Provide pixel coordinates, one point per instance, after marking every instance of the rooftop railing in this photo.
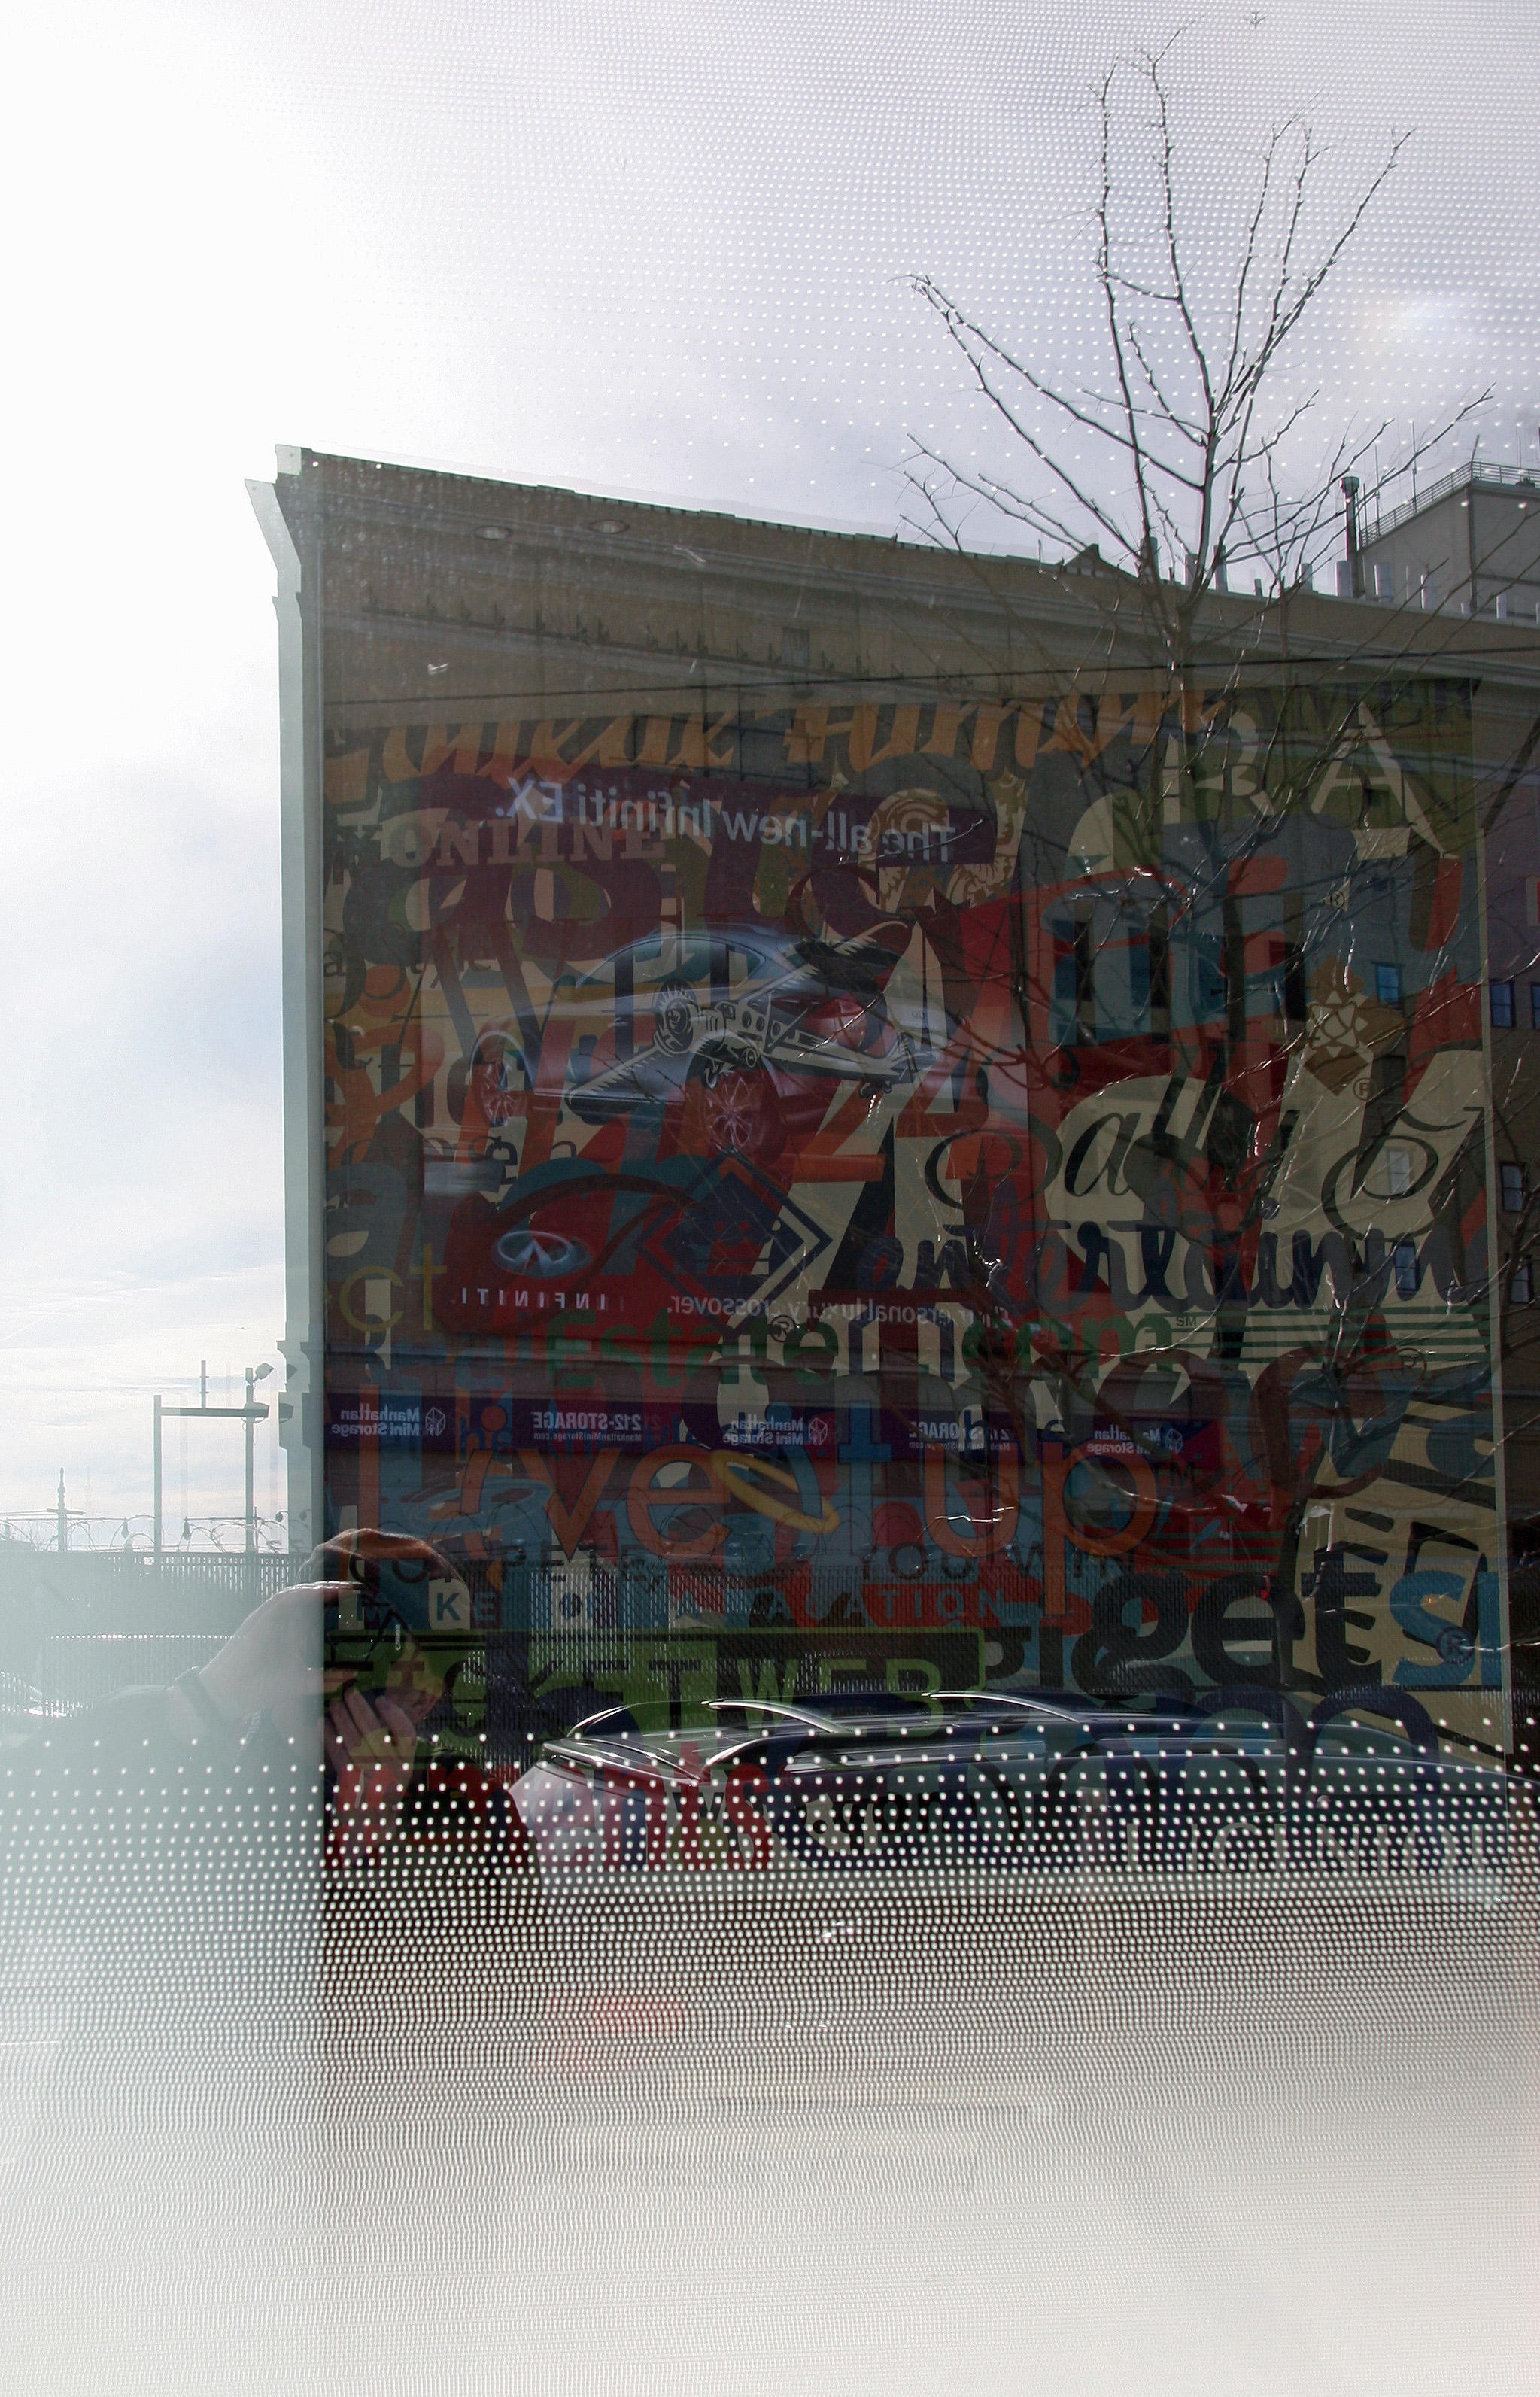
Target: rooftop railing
(1520, 477)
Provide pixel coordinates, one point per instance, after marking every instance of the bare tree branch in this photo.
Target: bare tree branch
(1189, 426)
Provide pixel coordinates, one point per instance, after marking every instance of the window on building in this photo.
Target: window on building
(1398, 1171)
(1233, 963)
(1522, 1288)
(1085, 979)
(1501, 1006)
(1513, 1187)
(1404, 1258)
(1387, 986)
(1159, 973)
(1534, 1006)
(1296, 999)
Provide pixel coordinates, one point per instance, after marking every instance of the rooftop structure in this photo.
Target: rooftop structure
(1467, 546)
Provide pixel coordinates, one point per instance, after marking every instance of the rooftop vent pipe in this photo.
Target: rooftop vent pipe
(1355, 555)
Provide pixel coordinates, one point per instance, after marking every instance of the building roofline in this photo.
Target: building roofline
(1308, 627)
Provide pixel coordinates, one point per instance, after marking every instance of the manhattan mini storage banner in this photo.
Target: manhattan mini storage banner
(887, 1194)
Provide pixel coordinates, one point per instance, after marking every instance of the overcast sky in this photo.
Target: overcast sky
(649, 245)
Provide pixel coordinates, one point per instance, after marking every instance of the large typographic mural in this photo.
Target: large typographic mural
(905, 1196)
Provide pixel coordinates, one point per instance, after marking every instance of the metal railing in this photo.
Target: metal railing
(232, 1572)
(1511, 477)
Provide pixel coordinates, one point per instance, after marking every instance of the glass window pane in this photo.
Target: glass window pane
(749, 1380)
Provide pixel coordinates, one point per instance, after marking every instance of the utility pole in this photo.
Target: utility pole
(250, 1442)
(251, 1413)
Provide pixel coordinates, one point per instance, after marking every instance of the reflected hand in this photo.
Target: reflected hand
(370, 1748)
(372, 1745)
(272, 1666)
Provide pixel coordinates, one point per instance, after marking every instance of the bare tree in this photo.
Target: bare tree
(1193, 426)
(1197, 453)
